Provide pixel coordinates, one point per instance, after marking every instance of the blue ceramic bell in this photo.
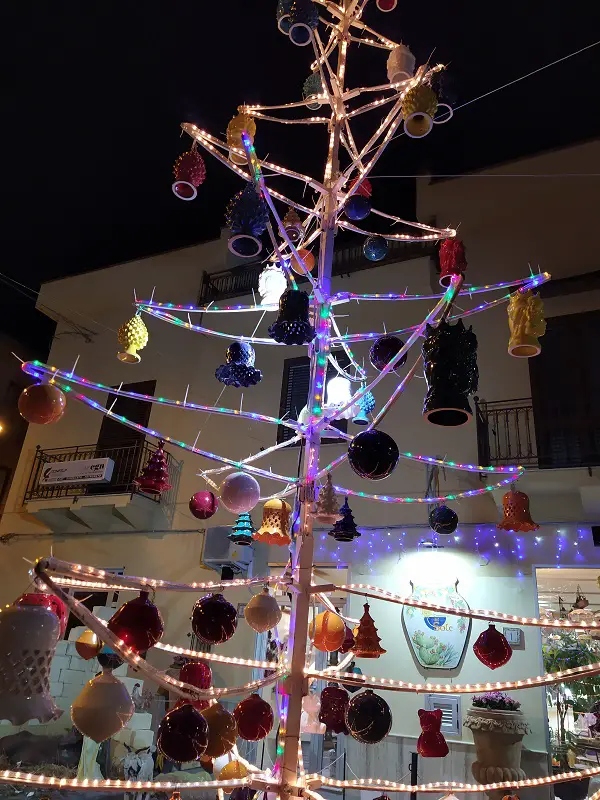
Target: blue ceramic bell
(246, 217)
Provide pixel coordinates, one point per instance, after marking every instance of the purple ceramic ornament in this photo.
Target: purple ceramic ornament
(203, 505)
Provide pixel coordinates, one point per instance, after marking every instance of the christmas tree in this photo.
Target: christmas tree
(327, 508)
(241, 532)
(344, 530)
(366, 640)
(155, 475)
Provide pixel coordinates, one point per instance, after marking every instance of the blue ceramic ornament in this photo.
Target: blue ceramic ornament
(358, 207)
(443, 520)
(375, 248)
(304, 18)
(239, 369)
(283, 15)
(246, 217)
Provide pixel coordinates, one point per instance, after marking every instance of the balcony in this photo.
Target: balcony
(115, 505)
(506, 433)
(241, 280)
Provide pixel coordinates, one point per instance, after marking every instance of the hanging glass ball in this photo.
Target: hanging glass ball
(375, 248)
(138, 623)
(214, 619)
(373, 454)
(357, 207)
(383, 351)
(254, 718)
(203, 505)
(42, 403)
(182, 734)
(443, 520)
(240, 492)
(368, 717)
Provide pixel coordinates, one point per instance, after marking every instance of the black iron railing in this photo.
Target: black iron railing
(506, 432)
(128, 463)
(241, 280)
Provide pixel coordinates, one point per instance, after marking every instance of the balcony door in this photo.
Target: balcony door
(121, 443)
(565, 391)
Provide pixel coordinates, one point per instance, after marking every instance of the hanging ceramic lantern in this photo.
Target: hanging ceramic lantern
(292, 325)
(400, 64)
(431, 742)
(239, 369)
(304, 18)
(312, 90)
(443, 520)
(375, 248)
(182, 734)
(190, 172)
(418, 110)
(254, 718)
(42, 403)
(339, 394)
(373, 454)
(517, 517)
(327, 632)
(368, 717)
(239, 492)
(365, 189)
(132, 336)
(49, 601)
(222, 730)
(240, 123)
(344, 530)
(526, 322)
(357, 207)
(292, 225)
(363, 408)
(305, 264)
(334, 702)
(214, 619)
(137, 623)
(453, 260)
(272, 283)
(246, 216)
(283, 16)
(88, 645)
(275, 528)
(262, 612)
(28, 637)
(102, 708)
(203, 505)
(242, 531)
(384, 350)
(492, 648)
(366, 640)
(450, 360)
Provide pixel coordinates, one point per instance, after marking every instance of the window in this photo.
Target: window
(450, 707)
(294, 393)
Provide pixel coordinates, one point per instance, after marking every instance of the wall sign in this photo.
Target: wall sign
(90, 470)
(437, 640)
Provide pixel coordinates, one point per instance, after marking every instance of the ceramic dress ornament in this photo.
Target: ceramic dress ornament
(526, 322)
(438, 640)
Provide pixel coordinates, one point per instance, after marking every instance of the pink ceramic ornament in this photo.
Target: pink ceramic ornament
(203, 505)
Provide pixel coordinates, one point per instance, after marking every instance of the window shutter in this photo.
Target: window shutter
(450, 708)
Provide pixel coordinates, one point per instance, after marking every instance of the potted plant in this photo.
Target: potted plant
(498, 728)
(564, 650)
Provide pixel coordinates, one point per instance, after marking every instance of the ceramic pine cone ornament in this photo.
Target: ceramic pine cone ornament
(132, 336)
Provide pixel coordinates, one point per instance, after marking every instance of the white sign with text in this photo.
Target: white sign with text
(91, 470)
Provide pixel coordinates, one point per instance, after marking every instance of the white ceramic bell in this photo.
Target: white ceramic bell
(400, 64)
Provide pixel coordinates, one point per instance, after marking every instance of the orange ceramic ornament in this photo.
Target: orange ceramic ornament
(516, 513)
(327, 632)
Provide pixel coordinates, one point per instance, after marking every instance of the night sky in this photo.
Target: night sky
(96, 93)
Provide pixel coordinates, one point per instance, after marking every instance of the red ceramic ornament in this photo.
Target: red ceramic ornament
(254, 718)
(49, 601)
(198, 674)
(492, 648)
(182, 734)
(42, 403)
(203, 505)
(334, 701)
(138, 623)
(214, 619)
(190, 172)
(348, 642)
(431, 742)
(453, 260)
(386, 5)
(364, 187)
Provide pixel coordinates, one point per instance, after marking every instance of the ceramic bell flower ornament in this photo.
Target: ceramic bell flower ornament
(516, 516)
(275, 528)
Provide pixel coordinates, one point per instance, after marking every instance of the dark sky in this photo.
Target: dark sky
(97, 91)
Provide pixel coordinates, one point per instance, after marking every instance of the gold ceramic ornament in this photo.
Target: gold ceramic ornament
(418, 109)
(222, 730)
(102, 708)
(262, 612)
(88, 645)
(526, 322)
(327, 632)
(275, 528)
(292, 225)
(234, 770)
(241, 122)
(132, 336)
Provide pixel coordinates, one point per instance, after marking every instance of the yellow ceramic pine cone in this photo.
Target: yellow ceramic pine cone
(418, 109)
(526, 323)
(132, 336)
(241, 122)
